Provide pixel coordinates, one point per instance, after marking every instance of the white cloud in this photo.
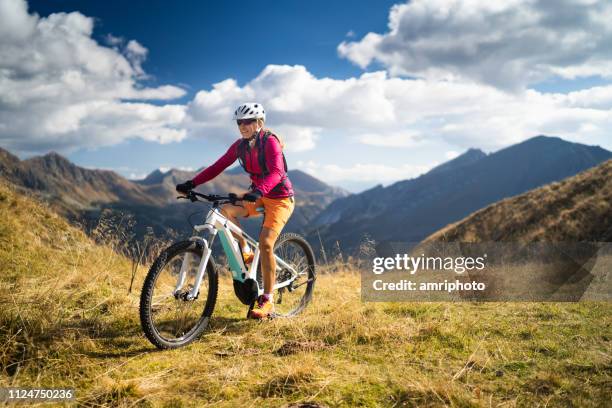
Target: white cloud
(60, 89)
(599, 97)
(508, 44)
(136, 54)
(165, 169)
(298, 138)
(401, 113)
(137, 176)
(451, 154)
(113, 40)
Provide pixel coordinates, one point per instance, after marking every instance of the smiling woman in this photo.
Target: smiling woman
(271, 193)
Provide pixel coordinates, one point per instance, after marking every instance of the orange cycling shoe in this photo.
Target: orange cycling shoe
(264, 308)
(248, 257)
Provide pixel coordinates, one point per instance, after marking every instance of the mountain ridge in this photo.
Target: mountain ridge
(410, 210)
(79, 193)
(578, 208)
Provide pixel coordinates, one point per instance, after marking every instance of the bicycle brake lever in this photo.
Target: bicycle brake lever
(190, 196)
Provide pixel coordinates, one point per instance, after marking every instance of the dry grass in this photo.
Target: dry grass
(578, 208)
(67, 321)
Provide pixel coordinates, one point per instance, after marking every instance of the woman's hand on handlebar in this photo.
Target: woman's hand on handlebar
(252, 196)
(185, 187)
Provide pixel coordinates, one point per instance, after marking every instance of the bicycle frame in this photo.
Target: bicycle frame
(217, 224)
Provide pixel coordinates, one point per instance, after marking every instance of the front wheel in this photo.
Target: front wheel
(298, 278)
(169, 317)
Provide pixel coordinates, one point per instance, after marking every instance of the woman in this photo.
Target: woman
(260, 154)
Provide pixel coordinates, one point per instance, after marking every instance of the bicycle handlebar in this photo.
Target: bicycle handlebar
(215, 198)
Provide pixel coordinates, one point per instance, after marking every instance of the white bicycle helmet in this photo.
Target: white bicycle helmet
(250, 110)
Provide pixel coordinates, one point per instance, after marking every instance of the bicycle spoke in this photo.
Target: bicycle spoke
(296, 278)
(175, 316)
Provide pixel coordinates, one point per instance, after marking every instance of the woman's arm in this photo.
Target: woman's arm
(275, 164)
(215, 169)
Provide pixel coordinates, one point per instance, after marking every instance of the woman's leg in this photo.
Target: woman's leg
(277, 214)
(232, 212)
(267, 238)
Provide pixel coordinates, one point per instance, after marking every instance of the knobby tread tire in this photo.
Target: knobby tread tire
(297, 238)
(147, 293)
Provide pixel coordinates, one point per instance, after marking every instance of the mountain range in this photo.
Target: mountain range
(82, 194)
(408, 210)
(576, 209)
(411, 210)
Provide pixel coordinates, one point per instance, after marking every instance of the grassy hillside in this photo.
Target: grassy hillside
(67, 321)
(578, 208)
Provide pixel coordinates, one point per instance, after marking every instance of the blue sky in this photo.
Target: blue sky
(364, 92)
(198, 43)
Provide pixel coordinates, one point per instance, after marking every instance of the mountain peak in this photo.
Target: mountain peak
(542, 146)
(52, 162)
(55, 157)
(470, 156)
(155, 177)
(6, 155)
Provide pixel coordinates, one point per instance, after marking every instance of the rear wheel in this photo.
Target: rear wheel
(291, 299)
(169, 318)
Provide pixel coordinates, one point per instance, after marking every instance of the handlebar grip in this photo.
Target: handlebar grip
(233, 197)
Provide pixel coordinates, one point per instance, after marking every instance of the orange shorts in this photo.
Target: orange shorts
(276, 211)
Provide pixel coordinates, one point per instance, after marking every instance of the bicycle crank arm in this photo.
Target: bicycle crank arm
(303, 283)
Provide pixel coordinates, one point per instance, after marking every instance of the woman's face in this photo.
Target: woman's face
(248, 127)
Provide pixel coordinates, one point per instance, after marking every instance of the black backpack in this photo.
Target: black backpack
(260, 144)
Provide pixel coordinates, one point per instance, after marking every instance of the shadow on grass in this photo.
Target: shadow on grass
(120, 353)
(229, 325)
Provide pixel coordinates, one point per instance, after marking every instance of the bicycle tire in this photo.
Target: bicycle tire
(280, 294)
(146, 297)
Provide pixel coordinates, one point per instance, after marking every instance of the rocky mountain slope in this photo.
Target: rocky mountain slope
(83, 193)
(410, 210)
(578, 208)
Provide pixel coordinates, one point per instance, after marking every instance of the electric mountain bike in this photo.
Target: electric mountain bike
(180, 291)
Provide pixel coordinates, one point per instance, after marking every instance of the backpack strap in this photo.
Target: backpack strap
(262, 161)
(261, 152)
(241, 153)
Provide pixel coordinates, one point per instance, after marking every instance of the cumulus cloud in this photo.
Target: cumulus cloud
(136, 54)
(508, 44)
(60, 89)
(376, 109)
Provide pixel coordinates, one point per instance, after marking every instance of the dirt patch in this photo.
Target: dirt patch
(292, 347)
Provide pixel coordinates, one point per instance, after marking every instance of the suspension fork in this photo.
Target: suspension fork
(206, 251)
(182, 274)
